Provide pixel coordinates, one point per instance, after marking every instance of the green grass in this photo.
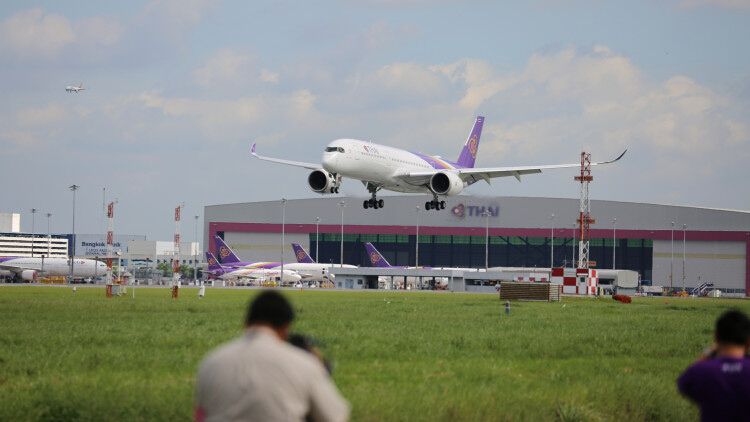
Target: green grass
(398, 356)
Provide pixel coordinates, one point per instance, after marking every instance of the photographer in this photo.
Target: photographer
(719, 381)
(261, 377)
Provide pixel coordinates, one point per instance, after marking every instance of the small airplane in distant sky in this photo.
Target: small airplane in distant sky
(74, 88)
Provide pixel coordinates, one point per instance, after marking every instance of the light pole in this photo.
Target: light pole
(317, 225)
(416, 259)
(49, 238)
(342, 204)
(74, 188)
(283, 222)
(552, 241)
(671, 262)
(684, 226)
(33, 214)
(195, 256)
(486, 215)
(614, 241)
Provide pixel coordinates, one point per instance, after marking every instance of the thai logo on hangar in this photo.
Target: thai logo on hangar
(462, 210)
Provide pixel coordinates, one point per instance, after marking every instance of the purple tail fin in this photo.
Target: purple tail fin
(301, 254)
(469, 153)
(225, 253)
(376, 259)
(214, 268)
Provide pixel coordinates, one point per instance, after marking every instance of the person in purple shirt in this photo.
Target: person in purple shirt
(719, 381)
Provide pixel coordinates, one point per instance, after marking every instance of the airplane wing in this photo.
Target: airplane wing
(472, 175)
(309, 166)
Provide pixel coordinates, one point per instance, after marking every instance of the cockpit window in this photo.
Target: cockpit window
(334, 149)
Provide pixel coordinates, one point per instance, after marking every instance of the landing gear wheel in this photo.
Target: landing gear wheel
(427, 205)
(442, 205)
(381, 203)
(366, 204)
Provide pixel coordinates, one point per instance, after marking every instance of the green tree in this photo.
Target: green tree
(165, 267)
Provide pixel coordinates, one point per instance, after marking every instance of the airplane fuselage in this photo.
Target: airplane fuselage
(307, 271)
(53, 267)
(380, 164)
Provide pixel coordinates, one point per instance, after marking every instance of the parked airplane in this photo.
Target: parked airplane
(306, 263)
(378, 260)
(308, 271)
(28, 269)
(75, 88)
(383, 167)
(256, 274)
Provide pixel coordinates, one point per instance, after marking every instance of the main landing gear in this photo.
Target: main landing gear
(434, 204)
(373, 202)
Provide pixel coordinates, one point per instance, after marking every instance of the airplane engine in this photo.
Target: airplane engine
(27, 275)
(321, 181)
(448, 184)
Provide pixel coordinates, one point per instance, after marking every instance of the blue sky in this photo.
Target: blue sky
(177, 91)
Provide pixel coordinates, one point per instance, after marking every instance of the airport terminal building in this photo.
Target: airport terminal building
(667, 245)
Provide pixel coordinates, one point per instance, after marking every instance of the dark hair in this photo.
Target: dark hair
(733, 327)
(270, 307)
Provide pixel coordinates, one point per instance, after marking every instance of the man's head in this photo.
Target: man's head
(272, 309)
(733, 328)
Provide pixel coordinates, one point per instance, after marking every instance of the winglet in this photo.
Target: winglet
(616, 159)
(376, 259)
(252, 150)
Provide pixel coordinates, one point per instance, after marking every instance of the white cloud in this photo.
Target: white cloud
(224, 67)
(728, 4)
(34, 34)
(35, 117)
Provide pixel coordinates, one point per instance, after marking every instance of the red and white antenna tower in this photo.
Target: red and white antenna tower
(176, 270)
(584, 218)
(110, 238)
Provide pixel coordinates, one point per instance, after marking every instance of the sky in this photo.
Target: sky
(177, 91)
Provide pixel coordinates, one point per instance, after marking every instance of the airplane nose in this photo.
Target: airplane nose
(330, 161)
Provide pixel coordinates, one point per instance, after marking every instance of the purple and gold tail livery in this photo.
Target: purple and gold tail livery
(469, 152)
(225, 253)
(214, 267)
(376, 259)
(301, 254)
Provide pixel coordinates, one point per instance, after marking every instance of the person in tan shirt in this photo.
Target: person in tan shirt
(261, 377)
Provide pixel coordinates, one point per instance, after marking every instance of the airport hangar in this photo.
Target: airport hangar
(522, 232)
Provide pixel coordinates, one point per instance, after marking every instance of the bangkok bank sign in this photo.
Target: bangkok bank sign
(462, 211)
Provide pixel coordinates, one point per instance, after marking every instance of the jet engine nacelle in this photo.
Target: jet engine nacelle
(28, 275)
(321, 181)
(448, 184)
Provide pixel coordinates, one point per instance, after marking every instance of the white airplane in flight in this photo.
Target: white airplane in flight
(75, 88)
(28, 269)
(383, 167)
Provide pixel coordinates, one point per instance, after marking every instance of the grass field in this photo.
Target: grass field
(398, 356)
